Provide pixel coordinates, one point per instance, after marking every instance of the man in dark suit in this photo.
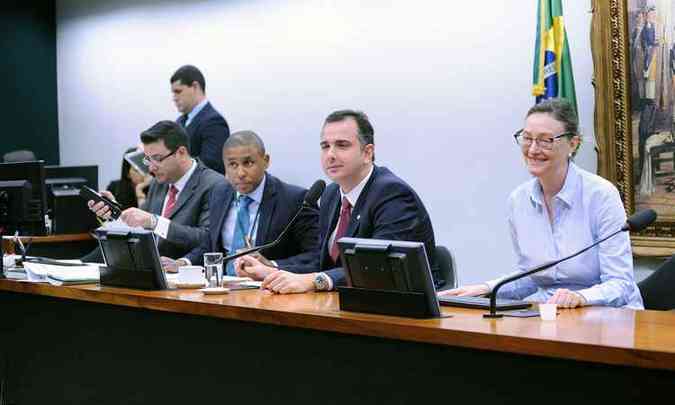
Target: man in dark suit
(177, 204)
(206, 128)
(365, 201)
(254, 207)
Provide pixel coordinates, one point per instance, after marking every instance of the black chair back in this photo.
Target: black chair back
(446, 266)
(658, 290)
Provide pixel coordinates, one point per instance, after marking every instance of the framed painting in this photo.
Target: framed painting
(633, 46)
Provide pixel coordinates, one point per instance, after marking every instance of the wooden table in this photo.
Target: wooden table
(91, 344)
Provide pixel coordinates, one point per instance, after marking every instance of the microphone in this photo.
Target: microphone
(635, 223)
(309, 201)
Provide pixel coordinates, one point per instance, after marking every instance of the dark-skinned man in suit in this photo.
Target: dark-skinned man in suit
(364, 201)
(253, 207)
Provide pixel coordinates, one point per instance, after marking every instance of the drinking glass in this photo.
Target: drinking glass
(213, 268)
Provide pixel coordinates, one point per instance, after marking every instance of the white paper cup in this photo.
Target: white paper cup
(548, 312)
(191, 275)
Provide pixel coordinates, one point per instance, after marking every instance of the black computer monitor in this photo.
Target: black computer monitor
(132, 260)
(15, 197)
(388, 277)
(33, 224)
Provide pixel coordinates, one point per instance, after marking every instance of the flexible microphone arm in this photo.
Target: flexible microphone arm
(255, 249)
(310, 200)
(635, 223)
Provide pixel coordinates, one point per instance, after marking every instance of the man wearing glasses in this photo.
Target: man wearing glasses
(176, 208)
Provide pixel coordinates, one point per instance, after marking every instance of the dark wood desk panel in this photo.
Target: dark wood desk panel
(66, 246)
(110, 345)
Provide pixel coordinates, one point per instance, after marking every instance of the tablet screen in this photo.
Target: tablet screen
(135, 159)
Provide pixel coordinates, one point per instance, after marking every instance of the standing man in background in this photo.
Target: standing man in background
(206, 127)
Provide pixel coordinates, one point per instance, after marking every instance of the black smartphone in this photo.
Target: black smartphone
(88, 194)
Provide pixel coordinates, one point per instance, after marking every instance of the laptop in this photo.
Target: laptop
(482, 303)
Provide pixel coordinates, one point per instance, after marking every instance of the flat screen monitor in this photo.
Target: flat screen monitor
(15, 196)
(33, 224)
(397, 272)
(131, 258)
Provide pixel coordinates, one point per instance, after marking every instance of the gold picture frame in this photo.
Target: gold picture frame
(626, 55)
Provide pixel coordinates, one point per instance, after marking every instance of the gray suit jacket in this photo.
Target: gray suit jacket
(190, 216)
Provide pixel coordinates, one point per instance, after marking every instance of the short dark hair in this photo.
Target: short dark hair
(366, 133)
(187, 75)
(173, 135)
(244, 138)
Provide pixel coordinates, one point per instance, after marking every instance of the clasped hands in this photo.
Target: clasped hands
(273, 279)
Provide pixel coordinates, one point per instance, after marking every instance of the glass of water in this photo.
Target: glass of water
(213, 267)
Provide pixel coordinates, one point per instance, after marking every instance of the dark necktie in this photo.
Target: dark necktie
(343, 224)
(170, 202)
(183, 120)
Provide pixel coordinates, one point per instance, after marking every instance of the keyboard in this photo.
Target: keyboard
(482, 303)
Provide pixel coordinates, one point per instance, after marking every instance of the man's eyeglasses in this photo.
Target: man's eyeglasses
(156, 160)
(525, 140)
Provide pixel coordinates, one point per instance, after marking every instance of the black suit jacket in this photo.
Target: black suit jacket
(279, 204)
(388, 208)
(207, 132)
(190, 216)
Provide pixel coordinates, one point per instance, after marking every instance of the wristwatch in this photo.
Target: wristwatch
(321, 282)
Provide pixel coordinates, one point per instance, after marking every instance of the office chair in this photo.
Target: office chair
(446, 265)
(658, 290)
(19, 156)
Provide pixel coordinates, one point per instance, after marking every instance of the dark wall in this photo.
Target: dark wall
(28, 66)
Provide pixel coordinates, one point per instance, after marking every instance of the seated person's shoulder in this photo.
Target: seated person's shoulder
(387, 182)
(291, 191)
(211, 176)
(523, 190)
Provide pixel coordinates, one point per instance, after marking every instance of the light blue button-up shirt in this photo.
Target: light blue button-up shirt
(586, 209)
(254, 218)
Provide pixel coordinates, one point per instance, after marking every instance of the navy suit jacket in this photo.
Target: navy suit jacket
(279, 204)
(207, 132)
(388, 208)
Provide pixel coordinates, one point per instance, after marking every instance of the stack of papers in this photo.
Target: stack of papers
(15, 273)
(62, 275)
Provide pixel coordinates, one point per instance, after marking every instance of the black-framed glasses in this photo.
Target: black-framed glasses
(525, 141)
(154, 160)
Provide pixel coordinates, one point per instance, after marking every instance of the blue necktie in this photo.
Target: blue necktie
(241, 229)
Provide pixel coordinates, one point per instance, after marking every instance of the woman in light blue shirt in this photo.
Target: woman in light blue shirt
(560, 211)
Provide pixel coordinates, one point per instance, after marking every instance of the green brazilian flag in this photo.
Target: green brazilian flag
(552, 75)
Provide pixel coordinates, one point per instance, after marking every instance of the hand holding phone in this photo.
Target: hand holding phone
(114, 208)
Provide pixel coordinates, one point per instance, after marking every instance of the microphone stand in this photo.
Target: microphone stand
(255, 249)
(493, 296)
